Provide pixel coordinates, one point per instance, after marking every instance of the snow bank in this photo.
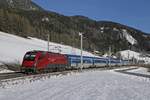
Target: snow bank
(13, 48)
(5, 71)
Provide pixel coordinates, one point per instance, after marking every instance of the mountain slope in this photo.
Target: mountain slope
(98, 35)
(20, 4)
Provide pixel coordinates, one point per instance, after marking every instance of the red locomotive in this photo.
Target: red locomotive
(39, 61)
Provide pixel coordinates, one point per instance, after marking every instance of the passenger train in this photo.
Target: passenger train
(43, 61)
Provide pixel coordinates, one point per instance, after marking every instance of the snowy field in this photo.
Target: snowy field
(96, 85)
(13, 48)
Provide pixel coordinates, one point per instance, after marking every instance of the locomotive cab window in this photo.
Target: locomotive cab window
(30, 56)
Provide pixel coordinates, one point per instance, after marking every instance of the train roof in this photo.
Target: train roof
(43, 51)
(86, 56)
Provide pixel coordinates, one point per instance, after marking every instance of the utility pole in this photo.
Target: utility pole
(133, 60)
(81, 44)
(109, 56)
(120, 58)
(128, 57)
(48, 43)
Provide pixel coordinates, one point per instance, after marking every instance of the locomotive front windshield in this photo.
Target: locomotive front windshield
(30, 56)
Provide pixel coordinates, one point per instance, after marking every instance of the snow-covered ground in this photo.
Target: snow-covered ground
(97, 85)
(13, 48)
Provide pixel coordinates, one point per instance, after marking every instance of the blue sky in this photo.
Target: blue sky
(134, 13)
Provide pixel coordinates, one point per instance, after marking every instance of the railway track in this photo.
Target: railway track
(19, 75)
(5, 76)
(21, 78)
(11, 75)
